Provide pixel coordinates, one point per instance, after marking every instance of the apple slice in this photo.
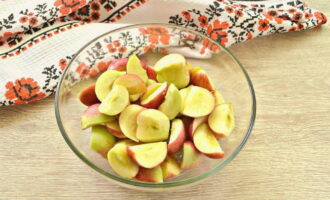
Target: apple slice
(120, 162)
(150, 82)
(184, 93)
(194, 124)
(151, 88)
(88, 96)
(92, 117)
(155, 98)
(151, 73)
(134, 66)
(170, 167)
(207, 143)
(128, 120)
(101, 140)
(172, 68)
(134, 97)
(199, 78)
(148, 155)
(198, 102)
(154, 175)
(178, 136)
(104, 83)
(116, 101)
(119, 64)
(190, 157)
(218, 98)
(171, 105)
(152, 126)
(133, 83)
(221, 120)
(114, 129)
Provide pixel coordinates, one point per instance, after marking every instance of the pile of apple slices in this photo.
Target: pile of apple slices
(151, 122)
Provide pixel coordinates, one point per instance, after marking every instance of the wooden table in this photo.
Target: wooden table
(287, 156)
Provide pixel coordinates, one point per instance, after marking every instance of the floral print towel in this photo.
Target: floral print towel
(38, 38)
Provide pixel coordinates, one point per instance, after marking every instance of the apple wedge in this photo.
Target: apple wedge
(190, 157)
(134, 66)
(184, 93)
(177, 137)
(206, 142)
(133, 83)
(148, 155)
(92, 117)
(171, 105)
(194, 124)
(151, 88)
(198, 102)
(218, 98)
(88, 96)
(152, 126)
(104, 83)
(221, 120)
(154, 175)
(172, 68)
(116, 101)
(120, 162)
(151, 73)
(152, 99)
(199, 78)
(101, 140)
(170, 167)
(119, 64)
(128, 121)
(114, 129)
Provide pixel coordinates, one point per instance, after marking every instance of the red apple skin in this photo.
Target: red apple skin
(88, 96)
(144, 64)
(176, 145)
(151, 73)
(121, 63)
(200, 78)
(219, 135)
(186, 121)
(194, 124)
(217, 155)
(92, 110)
(143, 176)
(157, 100)
(115, 132)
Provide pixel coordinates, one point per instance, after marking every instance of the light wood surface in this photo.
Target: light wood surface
(287, 156)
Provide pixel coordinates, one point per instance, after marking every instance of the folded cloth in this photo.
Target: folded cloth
(38, 38)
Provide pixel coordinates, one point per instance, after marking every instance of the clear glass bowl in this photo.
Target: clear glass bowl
(150, 42)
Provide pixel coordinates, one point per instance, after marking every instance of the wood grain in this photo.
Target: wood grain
(287, 156)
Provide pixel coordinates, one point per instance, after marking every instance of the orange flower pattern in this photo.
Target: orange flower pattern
(229, 22)
(68, 6)
(24, 90)
(156, 35)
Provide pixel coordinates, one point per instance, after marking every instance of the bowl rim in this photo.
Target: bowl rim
(164, 184)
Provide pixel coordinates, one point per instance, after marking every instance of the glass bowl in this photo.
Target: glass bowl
(150, 42)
